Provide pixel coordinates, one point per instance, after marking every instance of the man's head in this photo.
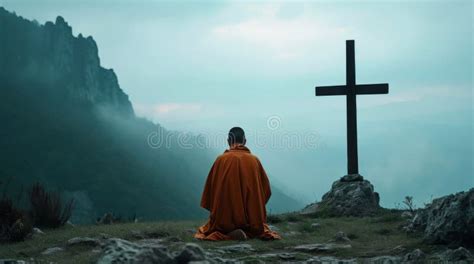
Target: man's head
(236, 136)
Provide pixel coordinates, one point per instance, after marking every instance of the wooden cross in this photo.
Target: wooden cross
(350, 90)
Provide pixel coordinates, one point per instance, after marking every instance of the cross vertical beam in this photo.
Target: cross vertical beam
(351, 90)
(351, 108)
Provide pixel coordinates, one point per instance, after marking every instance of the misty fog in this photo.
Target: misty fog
(201, 69)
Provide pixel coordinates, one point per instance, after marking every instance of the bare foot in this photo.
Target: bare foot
(238, 234)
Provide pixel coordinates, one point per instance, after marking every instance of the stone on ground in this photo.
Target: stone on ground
(51, 251)
(329, 247)
(83, 241)
(341, 237)
(117, 250)
(37, 231)
(237, 248)
(416, 256)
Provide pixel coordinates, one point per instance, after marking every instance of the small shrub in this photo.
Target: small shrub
(409, 203)
(14, 224)
(47, 208)
(274, 219)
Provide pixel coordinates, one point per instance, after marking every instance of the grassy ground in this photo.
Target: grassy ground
(370, 236)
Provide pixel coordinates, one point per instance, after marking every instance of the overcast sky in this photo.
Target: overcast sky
(207, 66)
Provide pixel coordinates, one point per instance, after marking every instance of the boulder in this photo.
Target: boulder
(447, 220)
(349, 196)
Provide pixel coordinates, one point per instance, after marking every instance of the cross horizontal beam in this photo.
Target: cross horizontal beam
(381, 88)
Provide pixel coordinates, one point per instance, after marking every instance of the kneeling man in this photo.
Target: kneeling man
(235, 194)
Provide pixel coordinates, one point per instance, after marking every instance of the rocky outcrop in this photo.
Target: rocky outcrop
(349, 196)
(447, 220)
(116, 250)
(459, 255)
(50, 56)
(122, 251)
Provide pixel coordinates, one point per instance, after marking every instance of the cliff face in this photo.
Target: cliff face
(50, 54)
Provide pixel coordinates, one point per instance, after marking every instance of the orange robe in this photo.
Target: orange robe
(235, 194)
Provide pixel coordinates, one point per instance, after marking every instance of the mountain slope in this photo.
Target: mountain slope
(66, 122)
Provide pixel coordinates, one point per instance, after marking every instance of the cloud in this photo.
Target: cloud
(417, 94)
(167, 110)
(176, 107)
(285, 38)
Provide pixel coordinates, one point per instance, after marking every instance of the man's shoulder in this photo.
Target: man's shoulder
(237, 155)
